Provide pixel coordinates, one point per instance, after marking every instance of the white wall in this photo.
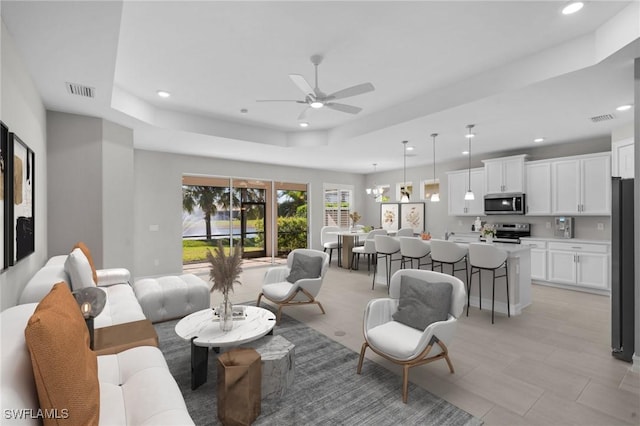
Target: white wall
(158, 201)
(75, 183)
(24, 114)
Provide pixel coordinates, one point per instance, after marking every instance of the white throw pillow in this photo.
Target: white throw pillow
(79, 270)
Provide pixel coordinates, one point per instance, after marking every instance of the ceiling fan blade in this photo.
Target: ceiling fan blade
(352, 91)
(281, 100)
(344, 108)
(303, 114)
(302, 84)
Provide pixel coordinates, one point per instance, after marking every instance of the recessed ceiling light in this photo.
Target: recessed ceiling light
(624, 108)
(538, 140)
(572, 7)
(163, 93)
(465, 152)
(303, 124)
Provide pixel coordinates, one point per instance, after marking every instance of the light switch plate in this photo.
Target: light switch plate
(600, 226)
(154, 228)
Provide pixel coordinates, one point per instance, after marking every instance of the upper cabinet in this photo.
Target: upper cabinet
(622, 161)
(458, 183)
(538, 188)
(504, 175)
(581, 185)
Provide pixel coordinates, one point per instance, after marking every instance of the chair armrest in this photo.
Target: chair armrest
(312, 285)
(111, 276)
(443, 330)
(378, 312)
(276, 274)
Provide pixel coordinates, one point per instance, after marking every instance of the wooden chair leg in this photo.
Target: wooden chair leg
(259, 297)
(449, 363)
(278, 314)
(320, 306)
(362, 351)
(405, 383)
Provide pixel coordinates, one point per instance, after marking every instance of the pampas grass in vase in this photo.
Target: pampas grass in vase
(224, 272)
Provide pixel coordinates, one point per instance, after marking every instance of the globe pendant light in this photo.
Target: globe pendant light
(468, 196)
(436, 196)
(404, 193)
(375, 191)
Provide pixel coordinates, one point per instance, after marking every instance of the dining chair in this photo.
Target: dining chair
(368, 249)
(329, 239)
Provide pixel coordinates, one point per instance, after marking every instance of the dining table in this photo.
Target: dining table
(347, 240)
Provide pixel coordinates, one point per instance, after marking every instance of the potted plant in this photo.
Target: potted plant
(488, 231)
(355, 218)
(224, 272)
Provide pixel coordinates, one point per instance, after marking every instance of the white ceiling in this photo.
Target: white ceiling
(516, 69)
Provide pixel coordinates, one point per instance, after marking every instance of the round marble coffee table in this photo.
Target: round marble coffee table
(204, 333)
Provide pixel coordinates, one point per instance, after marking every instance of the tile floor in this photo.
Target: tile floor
(549, 366)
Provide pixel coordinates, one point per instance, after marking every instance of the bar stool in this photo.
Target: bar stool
(368, 249)
(404, 232)
(412, 248)
(386, 247)
(489, 258)
(448, 253)
(329, 239)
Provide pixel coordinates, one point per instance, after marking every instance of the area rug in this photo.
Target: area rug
(326, 388)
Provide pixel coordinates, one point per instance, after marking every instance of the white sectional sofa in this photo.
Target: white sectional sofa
(136, 386)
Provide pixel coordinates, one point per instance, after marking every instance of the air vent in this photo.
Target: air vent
(81, 90)
(604, 117)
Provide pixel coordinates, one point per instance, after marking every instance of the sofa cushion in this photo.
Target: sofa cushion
(422, 303)
(79, 270)
(304, 266)
(85, 250)
(64, 368)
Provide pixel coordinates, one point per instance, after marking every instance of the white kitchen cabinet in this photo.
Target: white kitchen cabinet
(581, 185)
(458, 183)
(504, 175)
(538, 188)
(579, 264)
(622, 160)
(538, 258)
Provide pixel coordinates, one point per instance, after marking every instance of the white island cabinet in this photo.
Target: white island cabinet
(519, 263)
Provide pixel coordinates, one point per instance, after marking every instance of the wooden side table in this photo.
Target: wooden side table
(120, 337)
(239, 386)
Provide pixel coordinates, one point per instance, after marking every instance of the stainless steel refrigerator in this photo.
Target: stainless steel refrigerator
(622, 269)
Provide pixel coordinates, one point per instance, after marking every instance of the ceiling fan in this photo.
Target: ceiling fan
(316, 98)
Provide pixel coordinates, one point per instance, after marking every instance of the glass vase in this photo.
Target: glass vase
(225, 310)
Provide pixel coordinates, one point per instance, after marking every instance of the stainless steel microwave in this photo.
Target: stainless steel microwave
(504, 204)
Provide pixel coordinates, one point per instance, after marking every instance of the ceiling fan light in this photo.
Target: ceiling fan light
(468, 196)
(316, 104)
(435, 198)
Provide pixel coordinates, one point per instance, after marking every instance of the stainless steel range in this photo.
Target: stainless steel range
(511, 232)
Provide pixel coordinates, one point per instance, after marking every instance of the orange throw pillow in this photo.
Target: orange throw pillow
(64, 368)
(82, 246)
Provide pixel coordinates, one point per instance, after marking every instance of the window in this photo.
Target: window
(337, 205)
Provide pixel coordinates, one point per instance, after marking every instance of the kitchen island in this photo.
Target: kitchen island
(519, 265)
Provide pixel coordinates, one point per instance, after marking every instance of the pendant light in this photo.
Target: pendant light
(436, 196)
(404, 198)
(375, 191)
(469, 194)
